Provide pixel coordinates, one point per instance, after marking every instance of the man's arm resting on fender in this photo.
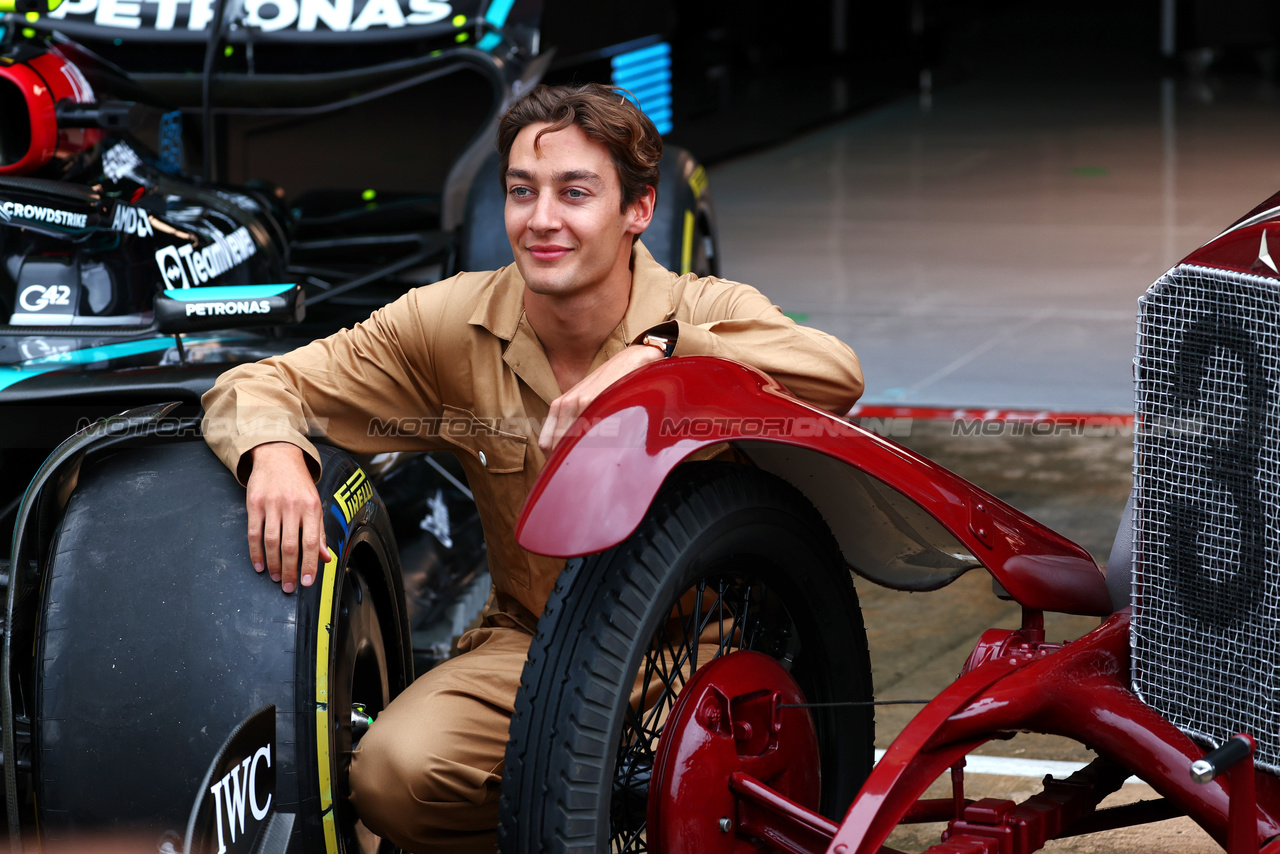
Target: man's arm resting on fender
(816, 367)
(566, 408)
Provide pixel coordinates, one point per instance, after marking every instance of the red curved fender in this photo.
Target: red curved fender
(599, 483)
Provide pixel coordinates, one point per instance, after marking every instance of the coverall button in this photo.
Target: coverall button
(483, 461)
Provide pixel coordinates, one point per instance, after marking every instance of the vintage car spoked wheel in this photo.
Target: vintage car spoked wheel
(729, 558)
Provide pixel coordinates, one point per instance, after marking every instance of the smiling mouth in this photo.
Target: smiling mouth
(548, 253)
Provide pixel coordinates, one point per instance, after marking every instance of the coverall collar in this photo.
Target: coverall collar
(501, 311)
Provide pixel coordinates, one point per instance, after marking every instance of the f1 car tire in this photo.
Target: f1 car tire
(682, 235)
(157, 638)
(721, 539)
(482, 238)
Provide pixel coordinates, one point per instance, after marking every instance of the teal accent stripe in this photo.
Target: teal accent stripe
(498, 11)
(10, 374)
(227, 292)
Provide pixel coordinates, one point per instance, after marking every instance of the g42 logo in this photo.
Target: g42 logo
(38, 297)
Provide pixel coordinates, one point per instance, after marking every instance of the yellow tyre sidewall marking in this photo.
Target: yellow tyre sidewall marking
(686, 250)
(323, 631)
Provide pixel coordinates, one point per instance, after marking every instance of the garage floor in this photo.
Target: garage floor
(985, 245)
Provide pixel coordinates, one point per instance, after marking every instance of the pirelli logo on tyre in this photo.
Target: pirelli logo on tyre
(353, 494)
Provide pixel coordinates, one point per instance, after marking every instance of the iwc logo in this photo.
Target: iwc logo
(238, 789)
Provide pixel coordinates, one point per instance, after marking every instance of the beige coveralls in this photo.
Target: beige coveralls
(426, 774)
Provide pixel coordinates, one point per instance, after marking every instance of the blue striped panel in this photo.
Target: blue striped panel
(646, 73)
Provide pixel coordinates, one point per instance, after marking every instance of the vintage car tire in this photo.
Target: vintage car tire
(717, 524)
(157, 638)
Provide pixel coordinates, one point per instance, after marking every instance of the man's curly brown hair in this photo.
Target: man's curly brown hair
(605, 115)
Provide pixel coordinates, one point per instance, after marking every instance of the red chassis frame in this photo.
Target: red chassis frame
(608, 473)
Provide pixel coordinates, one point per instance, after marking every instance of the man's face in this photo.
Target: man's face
(564, 212)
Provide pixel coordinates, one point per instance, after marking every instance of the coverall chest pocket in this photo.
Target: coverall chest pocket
(496, 451)
(495, 465)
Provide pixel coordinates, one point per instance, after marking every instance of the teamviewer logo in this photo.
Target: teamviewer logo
(171, 269)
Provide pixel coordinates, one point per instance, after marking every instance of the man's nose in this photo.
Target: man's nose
(545, 215)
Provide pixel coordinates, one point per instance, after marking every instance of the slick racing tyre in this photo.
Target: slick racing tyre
(157, 638)
(728, 558)
(682, 234)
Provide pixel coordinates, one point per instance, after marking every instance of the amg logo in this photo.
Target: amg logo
(130, 220)
(205, 309)
(237, 790)
(37, 213)
(353, 494)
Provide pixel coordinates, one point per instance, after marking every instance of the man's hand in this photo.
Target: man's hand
(566, 408)
(282, 500)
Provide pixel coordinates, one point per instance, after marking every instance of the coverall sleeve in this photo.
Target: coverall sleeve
(347, 388)
(715, 317)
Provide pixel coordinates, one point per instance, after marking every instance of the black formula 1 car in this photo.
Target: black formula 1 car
(146, 668)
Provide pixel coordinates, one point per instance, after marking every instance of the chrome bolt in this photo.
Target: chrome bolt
(360, 721)
(725, 825)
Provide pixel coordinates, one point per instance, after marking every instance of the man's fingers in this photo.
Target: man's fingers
(255, 536)
(290, 525)
(312, 546)
(546, 439)
(271, 542)
(560, 419)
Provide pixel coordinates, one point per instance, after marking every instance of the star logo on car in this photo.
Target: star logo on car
(1264, 254)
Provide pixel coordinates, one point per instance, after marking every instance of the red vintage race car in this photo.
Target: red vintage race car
(700, 681)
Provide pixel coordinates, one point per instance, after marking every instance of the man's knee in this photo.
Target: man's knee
(409, 769)
(419, 778)
(426, 774)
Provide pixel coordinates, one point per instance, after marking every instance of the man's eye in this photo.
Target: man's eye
(520, 192)
(575, 193)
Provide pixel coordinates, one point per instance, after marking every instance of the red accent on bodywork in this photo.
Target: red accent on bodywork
(599, 483)
(1238, 250)
(44, 125)
(1081, 692)
(43, 81)
(1080, 420)
(1238, 247)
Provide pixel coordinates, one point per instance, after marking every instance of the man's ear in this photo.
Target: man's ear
(640, 211)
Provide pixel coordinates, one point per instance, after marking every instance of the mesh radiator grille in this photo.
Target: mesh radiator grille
(1207, 480)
